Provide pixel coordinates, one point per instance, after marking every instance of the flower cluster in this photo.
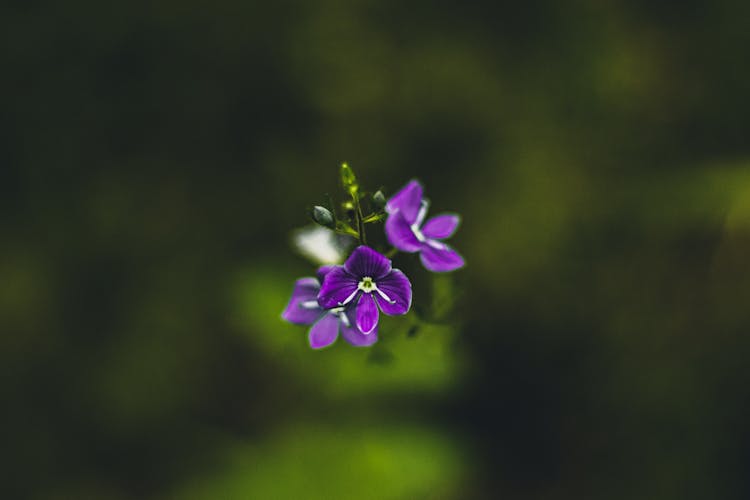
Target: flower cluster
(348, 298)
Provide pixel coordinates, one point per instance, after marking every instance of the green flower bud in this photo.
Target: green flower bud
(322, 216)
(349, 209)
(348, 179)
(378, 199)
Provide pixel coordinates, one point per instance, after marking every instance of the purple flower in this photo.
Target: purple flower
(304, 309)
(367, 280)
(406, 231)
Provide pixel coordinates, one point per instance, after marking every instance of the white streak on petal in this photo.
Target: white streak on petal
(386, 297)
(350, 297)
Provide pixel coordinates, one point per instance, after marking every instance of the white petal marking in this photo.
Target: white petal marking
(349, 298)
(382, 294)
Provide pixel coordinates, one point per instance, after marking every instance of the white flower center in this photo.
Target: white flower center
(367, 285)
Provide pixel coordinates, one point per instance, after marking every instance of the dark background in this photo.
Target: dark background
(154, 158)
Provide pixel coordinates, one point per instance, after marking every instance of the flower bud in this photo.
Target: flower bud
(348, 179)
(378, 199)
(322, 216)
(349, 209)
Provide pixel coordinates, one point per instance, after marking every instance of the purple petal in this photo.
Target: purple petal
(440, 258)
(400, 235)
(441, 226)
(365, 261)
(338, 287)
(356, 338)
(324, 332)
(407, 201)
(367, 314)
(322, 271)
(302, 307)
(397, 288)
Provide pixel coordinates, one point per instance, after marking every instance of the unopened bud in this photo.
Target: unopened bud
(378, 199)
(348, 179)
(349, 208)
(322, 216)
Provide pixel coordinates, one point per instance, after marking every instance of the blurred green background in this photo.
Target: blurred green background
(155, 156)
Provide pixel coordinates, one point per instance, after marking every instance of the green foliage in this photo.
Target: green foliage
(425, 362)
(597, 341)
(363, 460)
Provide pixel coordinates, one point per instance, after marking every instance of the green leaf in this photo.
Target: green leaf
(374, 218)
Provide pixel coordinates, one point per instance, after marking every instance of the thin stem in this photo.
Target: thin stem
(390, 253)
(360, 219)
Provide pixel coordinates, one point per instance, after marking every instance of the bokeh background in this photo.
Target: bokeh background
(155, 156)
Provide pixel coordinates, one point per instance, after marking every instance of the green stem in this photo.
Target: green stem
(390, 253)
(360, 219)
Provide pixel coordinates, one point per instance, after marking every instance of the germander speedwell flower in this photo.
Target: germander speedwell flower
(367, 282)
(405, 229)
(304, 309)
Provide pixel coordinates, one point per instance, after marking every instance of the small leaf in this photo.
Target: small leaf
(374, 218)
(344, 228)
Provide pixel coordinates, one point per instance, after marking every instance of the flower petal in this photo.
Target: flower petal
(407, 201)
(356, 338)
(440, 258)
(302, 308)
(324, 332)
(338, 287)
(400, 235)
(365, 261)
(397, 288)
(367, 314)
(441, 226)
(322, 271)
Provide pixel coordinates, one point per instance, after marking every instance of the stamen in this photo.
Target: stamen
(344, 318)
(341, 315)
(422, 212)
(382, 294)
(350, 297)
(415, 228)
(436, 244)
(309, 304)
(417, 232)
(366, 285)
